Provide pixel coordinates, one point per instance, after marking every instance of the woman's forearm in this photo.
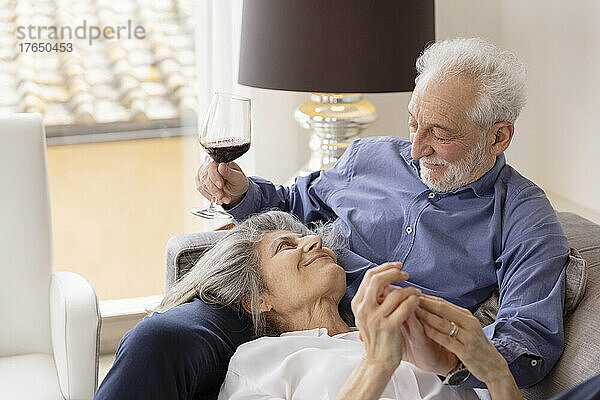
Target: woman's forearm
(367, 381)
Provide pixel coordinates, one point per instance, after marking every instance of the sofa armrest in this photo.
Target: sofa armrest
(75, 325)
(184, 250)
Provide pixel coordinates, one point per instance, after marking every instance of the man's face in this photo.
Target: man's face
(452, 152)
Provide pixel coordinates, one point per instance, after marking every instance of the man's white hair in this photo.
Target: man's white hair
(499, 75)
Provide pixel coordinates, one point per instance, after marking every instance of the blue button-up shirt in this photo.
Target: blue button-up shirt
(499, 231)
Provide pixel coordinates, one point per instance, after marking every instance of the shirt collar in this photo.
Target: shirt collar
(308, 332)
(316, 332)
(482, 187)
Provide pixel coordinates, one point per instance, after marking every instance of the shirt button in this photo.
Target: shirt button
(431, 195)
(533, 363)
(409, 229)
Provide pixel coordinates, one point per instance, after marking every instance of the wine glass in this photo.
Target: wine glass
(225, 136)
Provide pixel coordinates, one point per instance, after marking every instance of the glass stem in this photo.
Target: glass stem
(211, 207)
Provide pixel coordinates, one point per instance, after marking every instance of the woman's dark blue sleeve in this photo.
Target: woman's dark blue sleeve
(180, 354)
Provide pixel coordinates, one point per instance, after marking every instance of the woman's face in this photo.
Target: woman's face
(298, 272)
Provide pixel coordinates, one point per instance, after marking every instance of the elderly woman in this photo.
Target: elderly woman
(277, 270)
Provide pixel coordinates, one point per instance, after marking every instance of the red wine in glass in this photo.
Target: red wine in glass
(227, 149)
(225, 136)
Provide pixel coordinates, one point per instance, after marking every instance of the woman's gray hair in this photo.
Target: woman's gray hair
(230, 272)
(500, 77)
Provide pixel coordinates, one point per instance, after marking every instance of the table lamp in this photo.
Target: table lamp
(337, 49)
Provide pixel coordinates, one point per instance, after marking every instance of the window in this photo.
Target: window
(121, 68)
(120, 115)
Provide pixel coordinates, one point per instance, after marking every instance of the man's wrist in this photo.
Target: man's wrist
(503, 387)
(498, 376)
(455, 367)
(457, 375)
(234, 201)
(442, 372)
(443, 375)
(499, 381)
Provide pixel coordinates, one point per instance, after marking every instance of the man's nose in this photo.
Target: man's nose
(312, 242)
(420, 145)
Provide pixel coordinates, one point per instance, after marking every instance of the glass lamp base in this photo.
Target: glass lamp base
(211, 213)
(334, 121)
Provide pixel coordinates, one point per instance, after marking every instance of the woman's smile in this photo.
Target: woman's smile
(315, 258)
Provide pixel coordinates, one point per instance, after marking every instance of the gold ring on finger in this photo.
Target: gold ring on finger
(454, 330)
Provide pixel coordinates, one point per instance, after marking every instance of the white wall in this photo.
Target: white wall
(392, 111)
(557, 140)
(278, 146)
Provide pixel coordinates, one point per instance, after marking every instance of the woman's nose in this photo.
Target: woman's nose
(312, 242)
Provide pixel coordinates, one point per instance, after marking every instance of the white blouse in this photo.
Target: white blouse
(312, 365)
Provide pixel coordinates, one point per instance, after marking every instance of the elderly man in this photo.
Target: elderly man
(446, 204)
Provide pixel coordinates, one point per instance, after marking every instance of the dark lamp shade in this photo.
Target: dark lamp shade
(334, 46)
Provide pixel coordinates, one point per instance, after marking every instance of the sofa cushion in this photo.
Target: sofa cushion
(576, 281)
(184, 250)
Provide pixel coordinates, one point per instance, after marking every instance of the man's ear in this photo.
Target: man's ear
(264, 306)
(502, 133)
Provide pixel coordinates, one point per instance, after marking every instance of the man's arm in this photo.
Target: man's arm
(307, 198)
(528, 330)
(303, 199)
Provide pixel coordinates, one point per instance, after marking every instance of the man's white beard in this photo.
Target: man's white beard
(457, 173)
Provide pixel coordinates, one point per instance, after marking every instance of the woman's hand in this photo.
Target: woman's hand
(380, 309)
(422, 351)
(468, 342)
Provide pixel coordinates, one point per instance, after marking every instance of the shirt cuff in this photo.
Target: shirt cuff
(249, 204)
(511, 350)
(525, 365)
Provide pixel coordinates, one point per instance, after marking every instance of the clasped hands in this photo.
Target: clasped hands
(398, 324)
